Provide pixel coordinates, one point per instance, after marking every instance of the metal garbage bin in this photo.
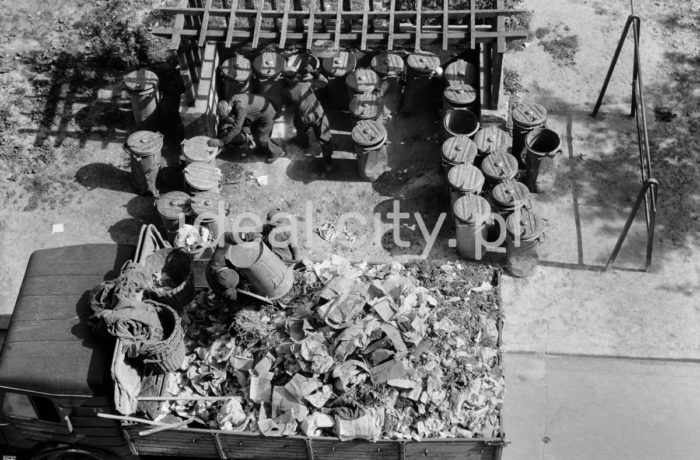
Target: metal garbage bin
(472, 215)
(365, 106)
(144, 149)
(197, 150)
(212, 209)
(507, 197)
(142, 86)
(361, 81)
(172, 208)
(369, 138)
(267, 68)
(423, 87)
(202, 177)
(235, 75)
(457, 150)
(525, 233)
(459, 96)
(462, 180)
(498, 167)
(459, 121)
(300, 61)
(491, 139)
(526, 117)
(543, 147)
(461, 72)
(336, 69)
(390, 68)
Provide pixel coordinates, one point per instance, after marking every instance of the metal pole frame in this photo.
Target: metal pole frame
(649, 189)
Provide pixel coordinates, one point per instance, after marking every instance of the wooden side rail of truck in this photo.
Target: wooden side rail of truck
(55, 379)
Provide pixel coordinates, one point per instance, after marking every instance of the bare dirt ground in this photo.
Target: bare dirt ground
(61, 162)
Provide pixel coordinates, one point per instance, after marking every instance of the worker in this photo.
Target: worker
(282, 243)
(240, 115)
(222, 278)
(171, 90)
(308, 111)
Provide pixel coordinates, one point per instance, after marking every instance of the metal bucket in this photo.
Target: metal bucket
(235, 75)
(268, 274)
(336, 68)
(459, 96)
(212, 209)
(457, 150)
(365, 106)
(197, 150)
(369, 138)
(498, 167)
(423, 87)
(202, 177)
(144, 149)
(459, 122)
(491, 139)
(463, 180)
(172, 207)
(267, 68)
(543, 147)
(461, 71)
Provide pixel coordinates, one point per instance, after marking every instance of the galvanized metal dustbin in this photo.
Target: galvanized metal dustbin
(457, 150)
(462, 180)
(390, 68)
(144, 149)
(461, 72)
(491, 139)
(423, 87)
(173, 207)
(366, 106)
(202, 177)
(498, 167)
(543, 147)
(236, 73)
(525, 234)
(459, 96)
(142, 86)
(336, 69)
(212, 209)
(197, 150)
(267, 68)
(472, 214)
(507, 197)
(459, 121)
(526, 117)
(370, 147)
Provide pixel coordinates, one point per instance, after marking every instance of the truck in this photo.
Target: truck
(56, 387)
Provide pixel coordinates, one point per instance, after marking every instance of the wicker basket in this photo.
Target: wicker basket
(168, 354)
(177, 264)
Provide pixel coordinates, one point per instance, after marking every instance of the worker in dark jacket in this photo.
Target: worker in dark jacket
(282, 243)
(222, 278)
(308, 111)
(245, 113)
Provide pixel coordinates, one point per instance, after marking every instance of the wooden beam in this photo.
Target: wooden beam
(419, 22)
(501, 27)
(285, 23)
(310, 28)
(223, 12)
(338, 23)
(205, 24)
(445, 23)
(258, 23)
(496, 68)
(178, 25)
(392, 15)
(363, 39)
(472, 25)
(487, 53)
(231, 23)
(5, 321)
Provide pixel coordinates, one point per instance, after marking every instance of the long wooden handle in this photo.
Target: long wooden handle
(124, 418)
(171, 426)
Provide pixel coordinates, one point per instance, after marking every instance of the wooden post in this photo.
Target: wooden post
(231, 23)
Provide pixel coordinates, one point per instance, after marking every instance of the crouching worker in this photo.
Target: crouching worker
(308, 111)
(246, 116)
(222, 278)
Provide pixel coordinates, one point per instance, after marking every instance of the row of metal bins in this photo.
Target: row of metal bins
(487, 203)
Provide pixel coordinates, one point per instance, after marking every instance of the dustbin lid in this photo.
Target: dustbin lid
(459, 71)
(339, 65)
(423, 62)
(529, 114)
(510, 194)
(470, 208)
(300, 61)
(465, 178)
(387, 64)
(460, 94)
(368, 133)
(145, 143)
(459, 149)
(172, 204)
(492, 139)
(197, 149)
(202, 176)
(236, 68)
(269, 64)
(499, 166)
(141, 80)
(207, 202)
(362, 80)
(526, 223)
(365, 105)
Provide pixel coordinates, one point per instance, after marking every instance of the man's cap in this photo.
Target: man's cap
(228, 278)
(223, 109)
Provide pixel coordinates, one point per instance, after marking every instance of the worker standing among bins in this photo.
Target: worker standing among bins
(308, 111)
(241, 115)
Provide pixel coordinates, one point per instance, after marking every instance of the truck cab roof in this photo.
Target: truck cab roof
(49, 347)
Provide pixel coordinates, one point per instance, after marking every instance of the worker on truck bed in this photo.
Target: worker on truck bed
(240, 115)
(222, 278)
(308, 111)
(282, 243)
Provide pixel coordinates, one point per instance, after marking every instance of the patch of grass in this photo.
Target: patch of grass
(511, 81)
(562, 48)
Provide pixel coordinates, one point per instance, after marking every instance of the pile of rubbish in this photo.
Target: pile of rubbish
(355, 351)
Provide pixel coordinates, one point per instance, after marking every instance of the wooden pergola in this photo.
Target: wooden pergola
(339, 24)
